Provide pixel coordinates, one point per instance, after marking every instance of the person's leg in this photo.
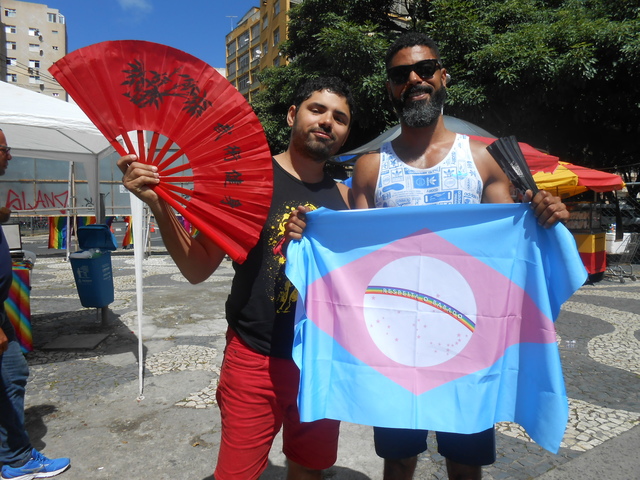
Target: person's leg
(250, 417)
(15, 446)
(295, 471)
(466, 454)
(399, 468)
(400, 448)
(310, 447)
(459, 471)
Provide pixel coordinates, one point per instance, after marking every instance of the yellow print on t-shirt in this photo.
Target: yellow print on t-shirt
(285, 294)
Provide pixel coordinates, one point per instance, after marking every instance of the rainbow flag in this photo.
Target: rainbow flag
(58, 229)
(18, 304)
(437, 318)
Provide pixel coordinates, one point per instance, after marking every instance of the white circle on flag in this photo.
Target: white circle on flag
(419, 311)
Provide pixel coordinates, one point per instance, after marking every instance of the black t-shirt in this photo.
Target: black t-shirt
(261, 306)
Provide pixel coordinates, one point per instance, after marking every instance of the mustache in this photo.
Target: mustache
(417, 89)
(326, 131)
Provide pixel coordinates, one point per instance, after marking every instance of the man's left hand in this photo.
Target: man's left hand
(548, 209)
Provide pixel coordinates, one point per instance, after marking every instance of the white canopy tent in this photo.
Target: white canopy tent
(38, 126)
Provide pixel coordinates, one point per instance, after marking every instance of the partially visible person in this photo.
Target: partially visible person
(459, 170)
(18, 458)
(258, 385)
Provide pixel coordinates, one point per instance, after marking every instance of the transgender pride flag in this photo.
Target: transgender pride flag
(436, 318)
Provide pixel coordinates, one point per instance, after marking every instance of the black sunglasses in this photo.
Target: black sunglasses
(425, 70)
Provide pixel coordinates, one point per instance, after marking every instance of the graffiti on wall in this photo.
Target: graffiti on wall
(22, 200)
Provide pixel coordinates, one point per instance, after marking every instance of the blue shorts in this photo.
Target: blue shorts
(473, 449)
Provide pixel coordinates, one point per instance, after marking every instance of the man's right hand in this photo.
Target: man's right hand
(138, 178)
(297, 222)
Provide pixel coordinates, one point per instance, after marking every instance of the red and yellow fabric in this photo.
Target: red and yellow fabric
(128, 234)
(18, 304)
(568, 180)
(591, 247)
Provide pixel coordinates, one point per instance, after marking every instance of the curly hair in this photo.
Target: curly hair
(410, 39)
(318, 84)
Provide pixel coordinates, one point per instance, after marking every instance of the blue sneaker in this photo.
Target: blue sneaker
(38, 467)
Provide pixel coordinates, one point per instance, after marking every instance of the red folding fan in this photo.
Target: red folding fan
(224, 186)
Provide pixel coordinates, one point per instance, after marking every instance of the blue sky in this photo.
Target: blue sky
(198, 27)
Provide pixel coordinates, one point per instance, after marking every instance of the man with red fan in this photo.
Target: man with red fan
(18, 458)
(259, 380)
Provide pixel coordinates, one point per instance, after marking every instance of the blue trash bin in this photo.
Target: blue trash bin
(92, 265)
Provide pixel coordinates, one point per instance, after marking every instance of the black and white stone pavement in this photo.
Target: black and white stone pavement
(84, 402)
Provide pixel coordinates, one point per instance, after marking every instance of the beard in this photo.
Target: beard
(422, 113)
(317, 150)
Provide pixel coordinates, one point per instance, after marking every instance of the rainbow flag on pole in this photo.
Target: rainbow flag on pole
(58, 228)
(436, 318)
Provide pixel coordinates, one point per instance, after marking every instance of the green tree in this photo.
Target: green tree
(343, 38)
(558, 74)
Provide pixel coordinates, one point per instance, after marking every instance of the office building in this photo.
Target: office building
(33, 37)
(253, 44)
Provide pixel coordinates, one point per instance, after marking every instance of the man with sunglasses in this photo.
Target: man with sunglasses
(462, 171)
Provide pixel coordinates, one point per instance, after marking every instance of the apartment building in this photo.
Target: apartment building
(32, 37)
(253, 44)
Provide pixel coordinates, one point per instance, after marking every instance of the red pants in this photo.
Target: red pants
(257, 396)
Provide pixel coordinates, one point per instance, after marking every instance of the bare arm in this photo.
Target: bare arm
(365, 176)
(196, 257)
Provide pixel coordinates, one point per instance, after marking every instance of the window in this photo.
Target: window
(34, 32)
(243, 82)
(10, 29)
(52, 17)
(276, 8)
(54, 31)
(265, 21)
(231, 69)
(9, 12)
(265, 48)
(61, 19)
(12, 77)
(55, 94)
(276, 37)
(12, 46)
(35, 79)
(34, 63)
(255, 32)
(231, 48)
(11, 61)
(243, 39)
(276, 61)
(256, 53)
(55, 47)
(34, 47)
(243, 62)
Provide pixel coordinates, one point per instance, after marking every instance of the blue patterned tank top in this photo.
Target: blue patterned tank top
(454, 180)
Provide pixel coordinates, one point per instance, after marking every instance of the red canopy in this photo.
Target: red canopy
(569, 179)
